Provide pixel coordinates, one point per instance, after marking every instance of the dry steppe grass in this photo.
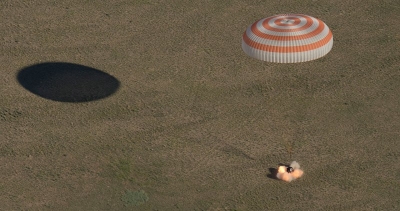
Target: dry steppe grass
(196, 124)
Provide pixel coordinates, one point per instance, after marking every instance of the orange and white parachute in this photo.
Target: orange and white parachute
(287, 38)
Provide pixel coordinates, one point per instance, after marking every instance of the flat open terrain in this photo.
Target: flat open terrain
(185, 119)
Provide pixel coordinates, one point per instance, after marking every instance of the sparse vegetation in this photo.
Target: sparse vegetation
(195, 123)
(134, 198)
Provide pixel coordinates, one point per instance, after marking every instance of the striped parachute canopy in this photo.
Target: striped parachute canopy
(287, 38)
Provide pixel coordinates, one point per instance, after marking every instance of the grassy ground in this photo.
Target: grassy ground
(196, 124)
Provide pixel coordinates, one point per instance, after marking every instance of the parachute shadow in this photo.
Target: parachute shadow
(67, 82)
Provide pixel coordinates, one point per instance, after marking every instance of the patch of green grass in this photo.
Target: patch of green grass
(123, 169)
(135, 198)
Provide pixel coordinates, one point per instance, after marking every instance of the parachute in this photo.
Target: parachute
(287, 38)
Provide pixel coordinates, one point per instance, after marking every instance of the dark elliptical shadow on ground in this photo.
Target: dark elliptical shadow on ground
(67, 82)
